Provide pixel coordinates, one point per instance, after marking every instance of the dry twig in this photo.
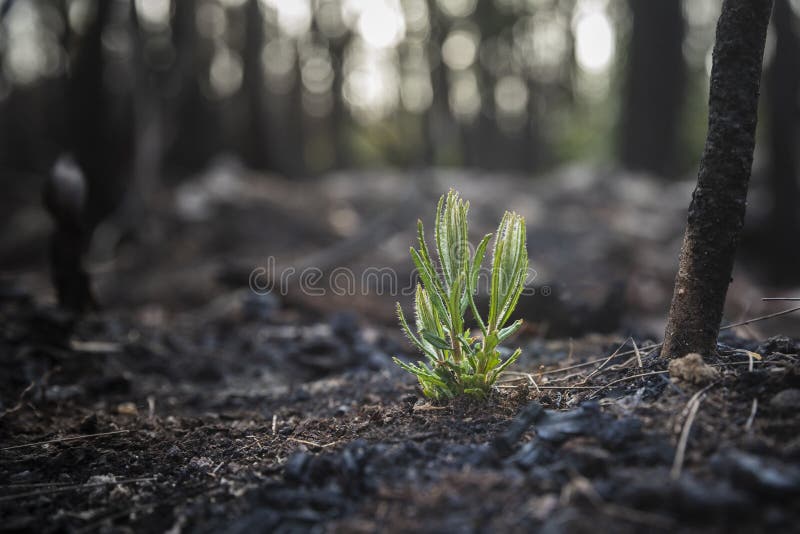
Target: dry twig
(61, 440)
(748, 426)
(691, 411)
(761, 318)
(73, 487)
(314, 443)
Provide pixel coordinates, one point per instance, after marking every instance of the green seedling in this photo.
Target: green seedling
(458, 363)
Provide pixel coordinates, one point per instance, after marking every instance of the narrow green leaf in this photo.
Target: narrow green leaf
(425, 348)
(440, 236)
(435, 340)
(508, 331)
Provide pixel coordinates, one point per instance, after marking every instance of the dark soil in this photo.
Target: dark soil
(193, 405)
(259, 420)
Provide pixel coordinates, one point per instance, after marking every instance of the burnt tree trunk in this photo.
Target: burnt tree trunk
(195, 132)
(783, 112)
(654, 87)
(82, 188)
(716, 214)
(256, 143)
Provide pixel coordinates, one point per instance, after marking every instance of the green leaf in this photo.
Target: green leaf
(436, 341)
(426, 350)
(511, 359)
(431, 282)
(441, 236)
(509, 269)
(508, 331)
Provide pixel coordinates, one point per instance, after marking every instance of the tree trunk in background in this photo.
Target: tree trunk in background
(100, 130)
(716, 214)
(195, 134)
(84, 190)
(783, 91)
(339, 114)
(654, 88)
(437, 117)
(255, 143)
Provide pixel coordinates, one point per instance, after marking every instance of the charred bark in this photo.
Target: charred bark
(716, 213)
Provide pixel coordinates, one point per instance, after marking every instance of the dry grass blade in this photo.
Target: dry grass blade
(680, 453)
(597, 360)
(690, 411)
(638, 354)
(605, 362)
(72, 487)
(649, 349)
(748, 426)
(61, 440)
(761, 318)
(314, 443)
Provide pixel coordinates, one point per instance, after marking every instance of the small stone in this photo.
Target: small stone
(758, 473)
(174, 453)
(788, 399)
(691, 368)
(296, 466)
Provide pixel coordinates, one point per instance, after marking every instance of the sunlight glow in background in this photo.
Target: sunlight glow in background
(594, 37)
(387, 59)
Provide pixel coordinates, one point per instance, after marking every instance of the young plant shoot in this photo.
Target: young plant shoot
(457, 363)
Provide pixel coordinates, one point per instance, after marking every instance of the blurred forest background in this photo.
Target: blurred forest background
(304, 86)
(146, 93)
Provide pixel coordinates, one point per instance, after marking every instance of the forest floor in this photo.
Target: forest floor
(254, 425)
(193, 404)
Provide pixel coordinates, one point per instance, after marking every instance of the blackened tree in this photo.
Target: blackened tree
(256, 146)
(716, 213)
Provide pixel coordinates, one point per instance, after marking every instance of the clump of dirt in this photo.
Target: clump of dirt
(692, 369)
